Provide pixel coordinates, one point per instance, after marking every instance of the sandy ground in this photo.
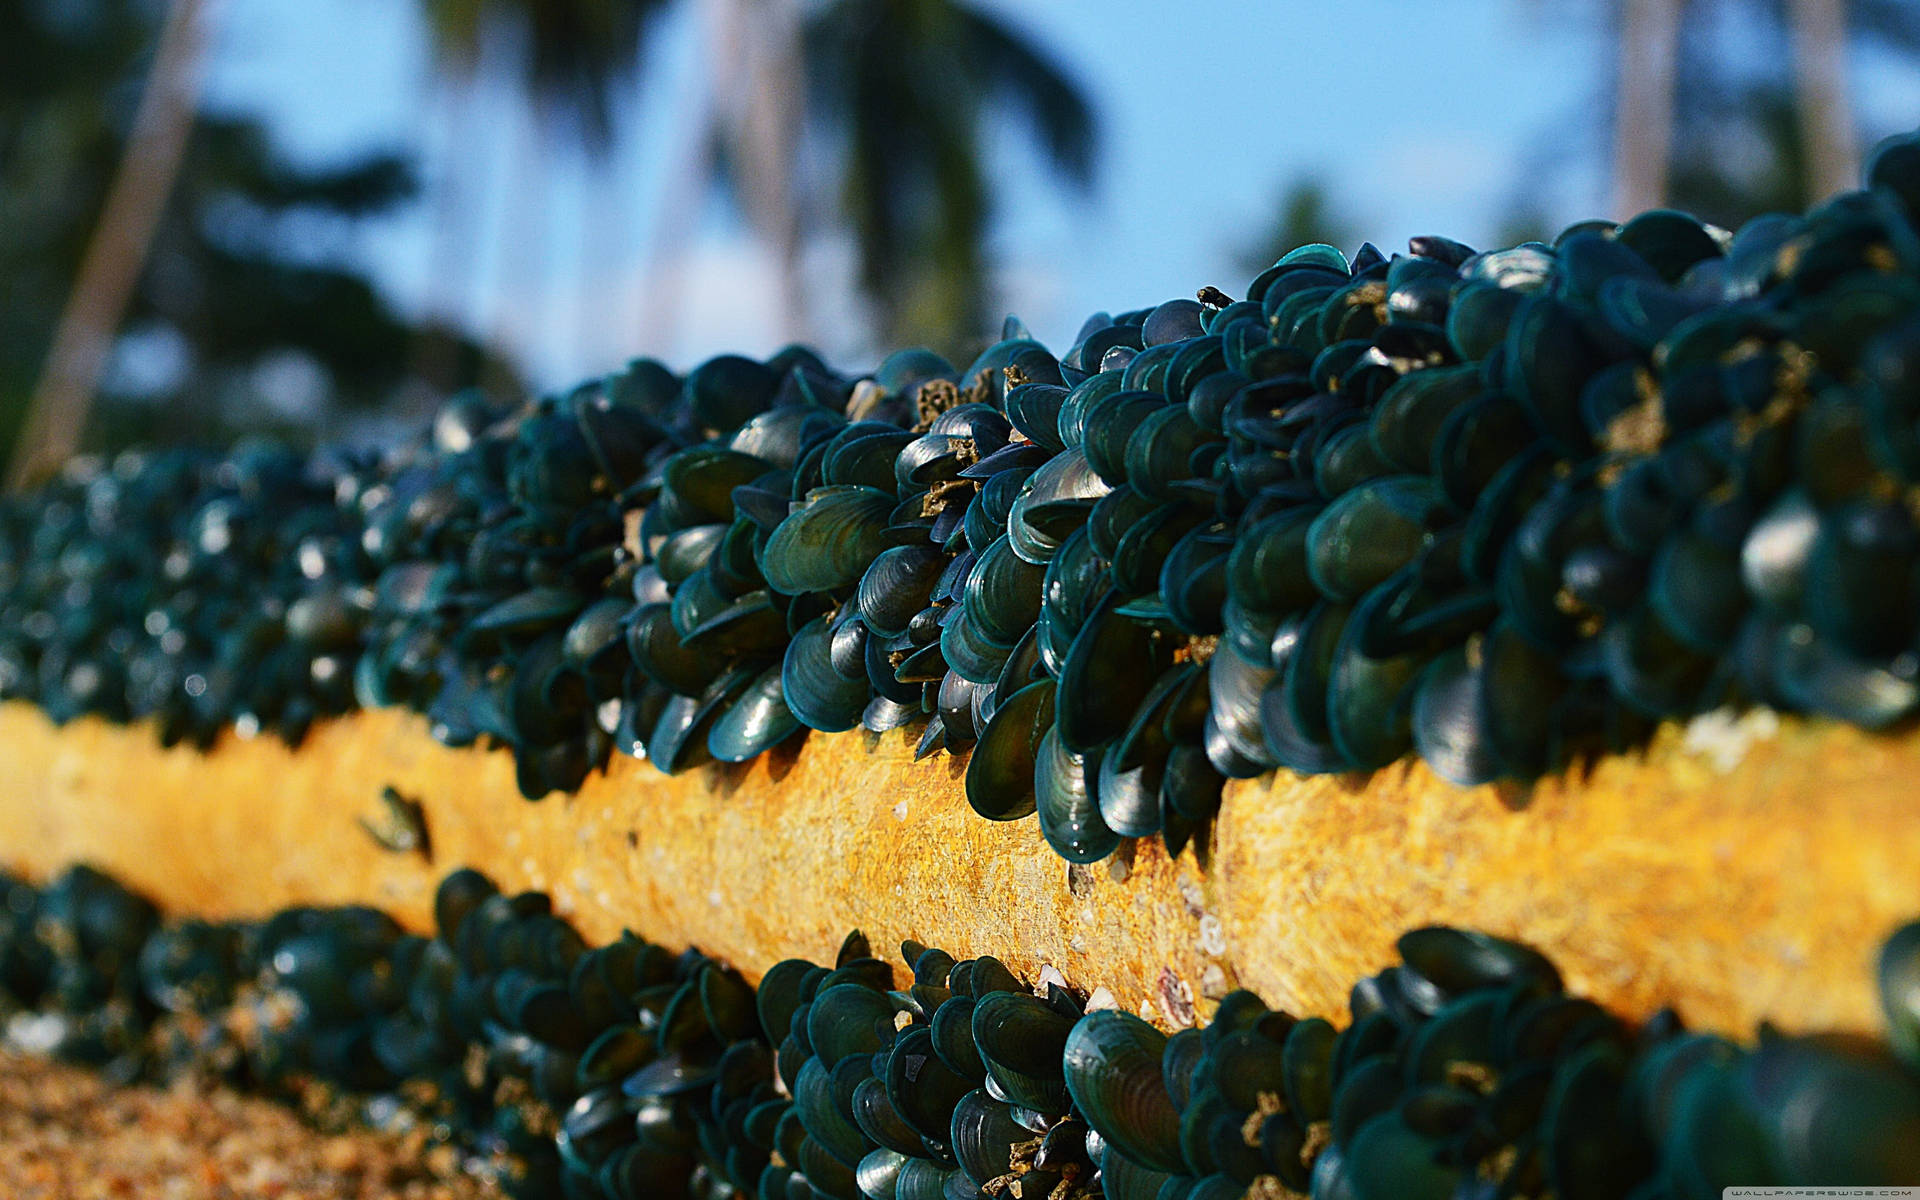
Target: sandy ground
(65, 1134)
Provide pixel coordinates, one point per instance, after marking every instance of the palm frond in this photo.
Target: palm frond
(1892, 24)
(1021, 71)
(901, 84)
(573, 53)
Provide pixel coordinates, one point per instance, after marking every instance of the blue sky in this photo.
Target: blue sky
(1419, 118)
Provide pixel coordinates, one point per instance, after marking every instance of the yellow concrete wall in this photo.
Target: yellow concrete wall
(1745, 875)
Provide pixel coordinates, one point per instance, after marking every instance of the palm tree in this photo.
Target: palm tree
(898, 92)
(902, 85)
(1644, 103)
(57, 413)
(1727, 136)
(744, 135)
(572, 53)
(1820, 79)
(570, 57)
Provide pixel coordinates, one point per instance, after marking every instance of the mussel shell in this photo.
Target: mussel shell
(1346, 458)
(616, 1053)
(1232, 733)
(1123, 1179)
(1160, 452)
(1021, 1039)
(678, 739)
(529, 612)
(1076, 580)
(1293, 708)
(1267, 567)
(1775, 555)
(1109, 669)
(968, 651)
(1464, 1031)
(1459, 961)
(1000, 773)
(753, 624)
(1551, 350)
(817, 1103)
(922, 1088)
(1140, 554)
(952, 1030)
(983, 1134)
(782, 990)
(1811, 673)
(864, 456)
(1669, 241)
(1696, 586)
(1066, 478)
(1034, 410)
(1132, 769)
(1860, 578)
(1593, 1148)
(1650, 669)
(671, 1075)
(1386, 1159)
(1307, 1061)
(701, 481)
(1065, 789)
(1447, 722)
(661, 653)
(635, 1171)
(1478, 317)
(874, 1113)
(878, 1173)
(758, 720)
(1899, 985)
(727, 390)
(814, 690)
(1112, 1070)
(842, 1019)
(896, 585)
(828, 541)
(1370, 532)
(1520, 688)
(1002, 593)
(825, 1174)
(1369, 702)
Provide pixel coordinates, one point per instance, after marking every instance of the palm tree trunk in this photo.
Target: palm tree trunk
(663, 282)
(602, 256)
(1643, 111)
(451, 261)
(1826, 115)
(769, 127)
(518, 314)
(706, 122)
(57, 412)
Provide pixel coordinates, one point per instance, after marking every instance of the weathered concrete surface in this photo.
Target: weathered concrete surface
(1746, 875)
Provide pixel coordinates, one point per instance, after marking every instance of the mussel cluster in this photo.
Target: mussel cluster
(204, 592)
(1466, 1072)
(625, 1071)
(503, 1034)
(1502, 509)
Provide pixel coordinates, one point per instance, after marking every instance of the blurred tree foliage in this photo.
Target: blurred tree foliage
(1306, 213)
(572, 54)
(899, 94)
(904, 89)
(241, 283)
(1739, 145)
